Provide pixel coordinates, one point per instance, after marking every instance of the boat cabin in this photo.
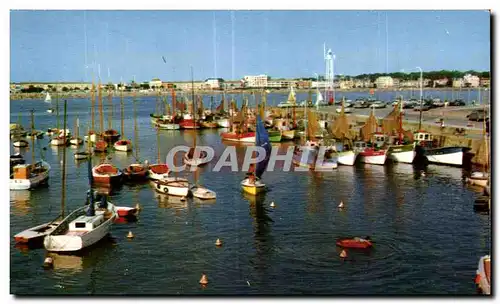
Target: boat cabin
(359, 146)
(86, 223)
(379, 139)
(423, 138)
(22, 171)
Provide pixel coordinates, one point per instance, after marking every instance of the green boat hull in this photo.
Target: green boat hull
(274, 136)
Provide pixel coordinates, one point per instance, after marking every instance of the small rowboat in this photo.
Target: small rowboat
(35, 235)
(123, 145)
(135, 172)
(354, 243)
(100, 146)
(126, 211)
(111, 136)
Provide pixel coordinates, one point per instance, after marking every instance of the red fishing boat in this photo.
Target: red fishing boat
(126, 211)
(243, 137)
(189, 124)
(106, 174)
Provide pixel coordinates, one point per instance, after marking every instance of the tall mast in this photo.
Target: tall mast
(136, 135)
(121, 112)
(63, 182)
(99, 97)
(194, 106)
(92, 108)
(57, 109)
(32, 138)
(401, 121)
(110, 117)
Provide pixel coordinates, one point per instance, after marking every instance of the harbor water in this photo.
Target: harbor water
(427, 238)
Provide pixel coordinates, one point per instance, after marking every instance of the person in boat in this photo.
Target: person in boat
(361, 240)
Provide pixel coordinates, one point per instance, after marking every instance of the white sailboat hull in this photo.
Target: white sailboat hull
(455, 159)
(122, 148)
(374, 160)
(347, 158)
(478, 179)
(76, 141)
(93, 138)
(403, 157)
(33, 182)
(203, 193)
(80, 156)
(58, 142)
(20, 144)
(72, 243)
(223, 123)
(168, 126)
(172, 189)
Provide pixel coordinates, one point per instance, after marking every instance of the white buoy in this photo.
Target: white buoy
(138, 207)
(204, 279)
(48, 262)
(130, 235)
(341, 205)
(343, 254)
(273, 205)
(218, 243)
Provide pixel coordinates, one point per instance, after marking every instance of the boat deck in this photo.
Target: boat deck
(76, 233)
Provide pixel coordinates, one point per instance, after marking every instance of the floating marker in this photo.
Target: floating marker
(204, 279)
(138, 207)
(130, 235)
(218, 243)
(272, 205)
(48, 262)
(343, 254)
(341, 205)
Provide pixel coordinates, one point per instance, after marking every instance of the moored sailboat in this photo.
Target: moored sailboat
(135, 171)
(123, 145)
(76, 141)
(29, 176)
(400, 151)
(340, 131)
(252, 183)
(371, 154)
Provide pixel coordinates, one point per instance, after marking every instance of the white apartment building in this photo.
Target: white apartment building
(259, 81)
(319, 84)
(471, 80)
(215, 83)
(384, 82)
(155, 82)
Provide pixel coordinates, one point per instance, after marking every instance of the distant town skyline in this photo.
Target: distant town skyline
(123, 45)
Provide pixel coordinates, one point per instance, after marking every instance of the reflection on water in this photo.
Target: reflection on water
(170, 202)
(20, 202)
(66, 262)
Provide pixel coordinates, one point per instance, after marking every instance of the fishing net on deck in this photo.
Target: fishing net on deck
(340, 127)
(390, 123)
(369, 128)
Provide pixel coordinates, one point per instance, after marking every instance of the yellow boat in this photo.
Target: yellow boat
(253, 188)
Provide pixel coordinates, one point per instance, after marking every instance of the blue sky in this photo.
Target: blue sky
(50, 45)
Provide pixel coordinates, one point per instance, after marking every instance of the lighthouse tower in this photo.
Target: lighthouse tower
(329, 74)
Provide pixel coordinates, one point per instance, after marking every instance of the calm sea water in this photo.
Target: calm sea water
(427, 238)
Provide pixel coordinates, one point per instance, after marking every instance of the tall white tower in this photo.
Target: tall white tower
(329, 73)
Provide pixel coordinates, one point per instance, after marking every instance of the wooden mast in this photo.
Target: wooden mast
(194, 108)
(63, 182)
(110, 116)
(136, 136)
(121, 114)
(32, 138)
(92, 108)
(101, 119)
(57, 110)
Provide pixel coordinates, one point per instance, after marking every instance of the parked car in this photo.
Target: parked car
(457, 103)
(424, 108)
(478, 115)
(378, 105)
(361, 105)
(346, 110)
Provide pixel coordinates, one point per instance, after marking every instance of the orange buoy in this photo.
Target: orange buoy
(130, 235)
(343, 254)
(204, 279)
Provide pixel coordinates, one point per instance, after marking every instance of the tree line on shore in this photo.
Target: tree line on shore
(432, 75)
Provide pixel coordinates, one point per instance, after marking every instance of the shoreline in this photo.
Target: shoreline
(19, 96)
